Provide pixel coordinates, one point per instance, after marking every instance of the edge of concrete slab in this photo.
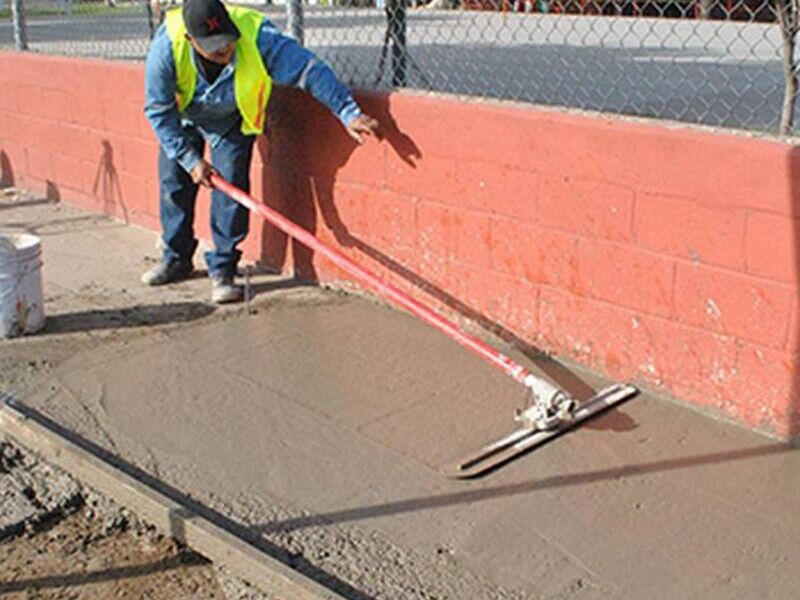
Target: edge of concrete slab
(175, 517)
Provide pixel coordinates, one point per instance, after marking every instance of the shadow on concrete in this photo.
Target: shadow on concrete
(188, 559)
(259, 288)
(52, 195)
(42, 228)
(26, 203)
(189, 507)
(128, 317)
(265, 287)
(471, 496)
(614, 420)
(7, 179)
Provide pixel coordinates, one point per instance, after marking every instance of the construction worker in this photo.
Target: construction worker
(208, 78)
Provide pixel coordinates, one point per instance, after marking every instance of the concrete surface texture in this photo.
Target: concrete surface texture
(714, 72)
(320, 422)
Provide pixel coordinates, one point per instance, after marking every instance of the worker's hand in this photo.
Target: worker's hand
(362, 125)
(201, 173)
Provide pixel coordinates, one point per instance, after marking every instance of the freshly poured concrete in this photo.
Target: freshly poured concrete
(321, 422)
(345, 409)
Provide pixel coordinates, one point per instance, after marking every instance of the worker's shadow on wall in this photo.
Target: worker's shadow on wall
(305, 151)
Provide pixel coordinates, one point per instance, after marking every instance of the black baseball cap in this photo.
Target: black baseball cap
(209, 23)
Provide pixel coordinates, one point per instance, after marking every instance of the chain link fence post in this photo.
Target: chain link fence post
(20, 29)
(396, 13)
(788, 22)
(294, 20)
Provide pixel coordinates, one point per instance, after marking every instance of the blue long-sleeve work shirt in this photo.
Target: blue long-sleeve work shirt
(213, 107)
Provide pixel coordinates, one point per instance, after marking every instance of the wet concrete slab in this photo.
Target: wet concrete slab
(347, 409)
(339, 411)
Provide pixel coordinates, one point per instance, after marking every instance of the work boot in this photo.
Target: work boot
(167, 272)
(223, 290)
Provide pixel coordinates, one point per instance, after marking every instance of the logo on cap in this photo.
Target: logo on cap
(212, 23)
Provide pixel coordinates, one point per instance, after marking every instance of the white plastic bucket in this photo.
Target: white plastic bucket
(21, 303)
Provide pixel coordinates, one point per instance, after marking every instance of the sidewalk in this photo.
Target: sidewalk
(321, 420)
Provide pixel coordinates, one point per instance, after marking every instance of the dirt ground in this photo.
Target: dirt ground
(77, 557)
(61, 540)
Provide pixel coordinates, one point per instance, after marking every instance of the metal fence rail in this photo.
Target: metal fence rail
(702, 61)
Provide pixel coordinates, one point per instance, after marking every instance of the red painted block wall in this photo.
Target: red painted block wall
(654, 253)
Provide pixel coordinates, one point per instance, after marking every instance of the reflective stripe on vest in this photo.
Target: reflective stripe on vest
(252, 84)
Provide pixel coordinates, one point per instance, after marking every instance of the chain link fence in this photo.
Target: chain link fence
(725, 63)
(109, 28)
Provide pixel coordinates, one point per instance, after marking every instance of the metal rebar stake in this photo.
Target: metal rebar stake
(248, 290)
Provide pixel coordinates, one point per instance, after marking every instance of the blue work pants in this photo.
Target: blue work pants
(229, 219)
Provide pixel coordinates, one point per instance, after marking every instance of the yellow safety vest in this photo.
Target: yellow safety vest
(252, 84)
